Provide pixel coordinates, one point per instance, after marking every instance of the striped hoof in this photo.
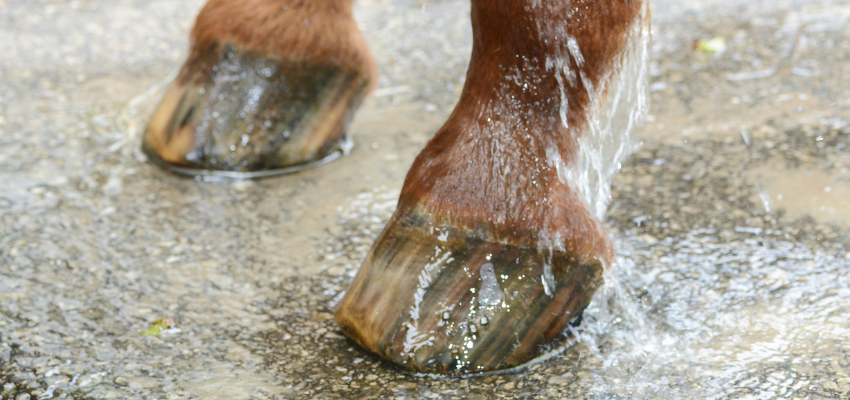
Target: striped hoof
(457, 302)
(250, 114)
(263, 92)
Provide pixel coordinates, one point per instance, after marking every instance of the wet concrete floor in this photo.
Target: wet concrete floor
(731, 221)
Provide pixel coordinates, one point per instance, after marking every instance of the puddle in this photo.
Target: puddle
(825, 196)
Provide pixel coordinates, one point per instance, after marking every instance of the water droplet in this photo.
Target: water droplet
(491, 292)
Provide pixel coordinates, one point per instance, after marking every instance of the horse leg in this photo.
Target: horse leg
(493, 250)
(269, 86)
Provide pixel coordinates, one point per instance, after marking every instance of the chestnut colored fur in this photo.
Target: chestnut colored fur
(486, 167)
(318, 31)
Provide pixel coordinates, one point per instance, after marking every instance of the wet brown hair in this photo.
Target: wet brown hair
(320, 31)
(486, 168)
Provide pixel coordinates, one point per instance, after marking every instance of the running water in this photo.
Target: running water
(618, 106)
(614, 118)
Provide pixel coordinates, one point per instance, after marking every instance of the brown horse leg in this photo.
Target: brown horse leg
(269, 87)
(493, 251)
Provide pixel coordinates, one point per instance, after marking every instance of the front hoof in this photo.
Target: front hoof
(243, 114)
(453, 301)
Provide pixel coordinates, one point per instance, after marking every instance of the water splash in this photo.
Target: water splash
(619, 103)
(714, 320)
(614, 118)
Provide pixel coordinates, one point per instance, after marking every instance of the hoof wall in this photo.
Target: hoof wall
(453, 302)
(238, 114)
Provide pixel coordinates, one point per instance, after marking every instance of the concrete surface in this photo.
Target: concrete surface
(731, 222)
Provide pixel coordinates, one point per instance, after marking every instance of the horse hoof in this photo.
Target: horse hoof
(494, 249)
(454, 301)
(252, 103)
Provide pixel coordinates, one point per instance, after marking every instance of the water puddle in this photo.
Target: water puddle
(823, 195)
